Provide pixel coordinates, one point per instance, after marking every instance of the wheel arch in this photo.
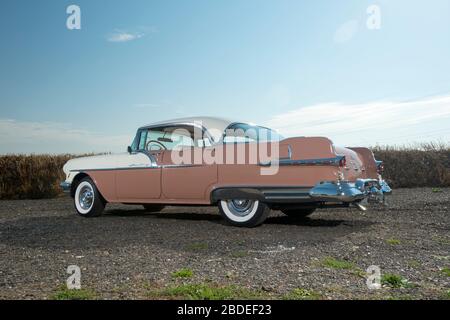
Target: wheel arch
(76, 180)
(229, 193)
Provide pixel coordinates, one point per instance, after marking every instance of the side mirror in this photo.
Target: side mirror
(129, 149)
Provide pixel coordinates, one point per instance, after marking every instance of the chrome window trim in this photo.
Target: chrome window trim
(153, 162)
(205, 131)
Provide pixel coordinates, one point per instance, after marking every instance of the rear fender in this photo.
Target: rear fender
(369, 163)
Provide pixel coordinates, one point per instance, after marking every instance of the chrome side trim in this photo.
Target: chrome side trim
(169, 166)
(307, 162)
(115, 169)
(141, 168)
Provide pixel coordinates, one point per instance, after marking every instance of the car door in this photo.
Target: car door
(189, 181)
(138, 176)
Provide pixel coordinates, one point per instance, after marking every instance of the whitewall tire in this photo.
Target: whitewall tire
(244, 213)
(88, 201)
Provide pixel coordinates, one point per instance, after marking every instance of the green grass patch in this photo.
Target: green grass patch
(359, 273)
(197, 246)
(207, 291)
(447, 294)
(442, 240)
(337, 264)
(446, 271)
(413, 264)
(436, 190)
(302, 294)
(394, 281)
(393, 242)
(239, 254)
(183, 273)
(73, 294)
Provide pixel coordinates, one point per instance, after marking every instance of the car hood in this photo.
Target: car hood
(94, 162)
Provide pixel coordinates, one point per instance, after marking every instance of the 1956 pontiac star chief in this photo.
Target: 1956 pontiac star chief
(244, 169)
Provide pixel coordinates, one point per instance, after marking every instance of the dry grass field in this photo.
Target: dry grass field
(425, 165)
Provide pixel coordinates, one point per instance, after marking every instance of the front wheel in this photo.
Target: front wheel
(244, 213)
(88, 201)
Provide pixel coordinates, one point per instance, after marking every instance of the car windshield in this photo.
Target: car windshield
(243, 132)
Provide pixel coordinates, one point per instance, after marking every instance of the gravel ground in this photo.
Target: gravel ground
(127, 253)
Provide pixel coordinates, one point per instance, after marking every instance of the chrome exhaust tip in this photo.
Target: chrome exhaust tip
(360, 207)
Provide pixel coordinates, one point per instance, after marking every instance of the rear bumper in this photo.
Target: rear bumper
(371, 189)
(65, 186)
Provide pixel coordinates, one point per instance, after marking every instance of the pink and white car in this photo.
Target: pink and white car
(210, 161)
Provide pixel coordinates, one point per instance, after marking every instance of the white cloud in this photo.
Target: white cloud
(126, 36)
(122, 36)
(49, 137)
(370, 123)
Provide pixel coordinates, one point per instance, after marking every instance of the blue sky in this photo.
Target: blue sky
(303, 67)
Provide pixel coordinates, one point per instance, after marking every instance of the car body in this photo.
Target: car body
(212, 161)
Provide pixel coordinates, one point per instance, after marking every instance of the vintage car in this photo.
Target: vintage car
(212, 161)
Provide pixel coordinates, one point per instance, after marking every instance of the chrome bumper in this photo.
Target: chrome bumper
(371, 190)
(65, 186)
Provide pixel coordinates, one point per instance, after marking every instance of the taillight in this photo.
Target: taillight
(342, 161)
(380, 167)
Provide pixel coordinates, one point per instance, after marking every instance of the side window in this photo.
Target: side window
(182, 137)
(205, 142)
(241, 133)
(170, 138)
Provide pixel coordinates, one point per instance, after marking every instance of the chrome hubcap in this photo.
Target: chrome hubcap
(240, 207)
(86, 197)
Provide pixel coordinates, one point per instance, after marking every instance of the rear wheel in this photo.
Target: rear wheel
(153, 207)
(244, 213)
(300, 213)
(88, 201)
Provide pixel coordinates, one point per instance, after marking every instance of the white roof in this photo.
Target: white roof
(215, 126)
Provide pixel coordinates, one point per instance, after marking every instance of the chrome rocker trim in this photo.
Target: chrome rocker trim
(65, 186)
